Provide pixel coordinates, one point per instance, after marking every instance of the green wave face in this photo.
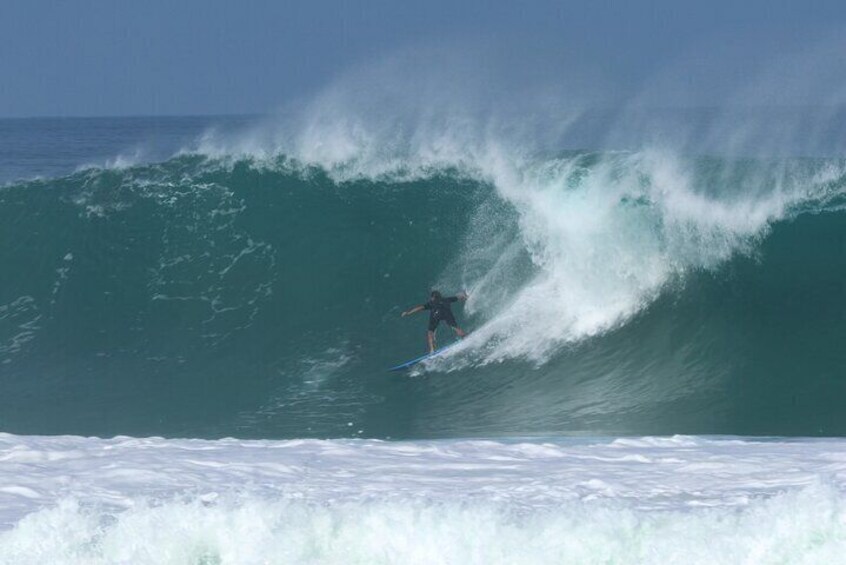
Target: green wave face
(609, 293)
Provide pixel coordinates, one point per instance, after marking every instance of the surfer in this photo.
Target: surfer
(439, 310)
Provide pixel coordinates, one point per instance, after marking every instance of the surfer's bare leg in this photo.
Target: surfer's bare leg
(459, 332)
(431, 336)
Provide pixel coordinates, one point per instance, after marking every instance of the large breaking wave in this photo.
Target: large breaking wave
(255, 289)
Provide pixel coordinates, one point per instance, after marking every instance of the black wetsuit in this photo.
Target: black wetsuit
(439, 309)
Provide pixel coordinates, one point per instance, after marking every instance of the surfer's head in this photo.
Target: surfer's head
(436, 295)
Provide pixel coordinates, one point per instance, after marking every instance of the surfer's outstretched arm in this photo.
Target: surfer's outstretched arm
(414, 310)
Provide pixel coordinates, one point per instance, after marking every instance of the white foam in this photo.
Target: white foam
(632, 500)
(606, 238)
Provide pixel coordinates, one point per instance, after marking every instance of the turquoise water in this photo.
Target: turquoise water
(224, 293)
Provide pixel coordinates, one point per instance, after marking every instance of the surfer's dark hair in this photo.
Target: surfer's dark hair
(436, 295)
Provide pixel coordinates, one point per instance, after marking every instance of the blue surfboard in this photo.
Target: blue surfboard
(409, 364)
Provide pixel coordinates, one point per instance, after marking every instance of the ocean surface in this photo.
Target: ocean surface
(197, 315)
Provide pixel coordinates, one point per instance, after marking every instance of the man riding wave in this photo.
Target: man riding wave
(439, 310)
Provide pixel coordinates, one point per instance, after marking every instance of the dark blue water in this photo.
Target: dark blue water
(51, 147)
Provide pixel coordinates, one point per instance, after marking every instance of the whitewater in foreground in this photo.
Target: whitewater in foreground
(679, 499)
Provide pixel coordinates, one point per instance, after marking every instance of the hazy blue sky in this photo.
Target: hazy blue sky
(85, 57)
